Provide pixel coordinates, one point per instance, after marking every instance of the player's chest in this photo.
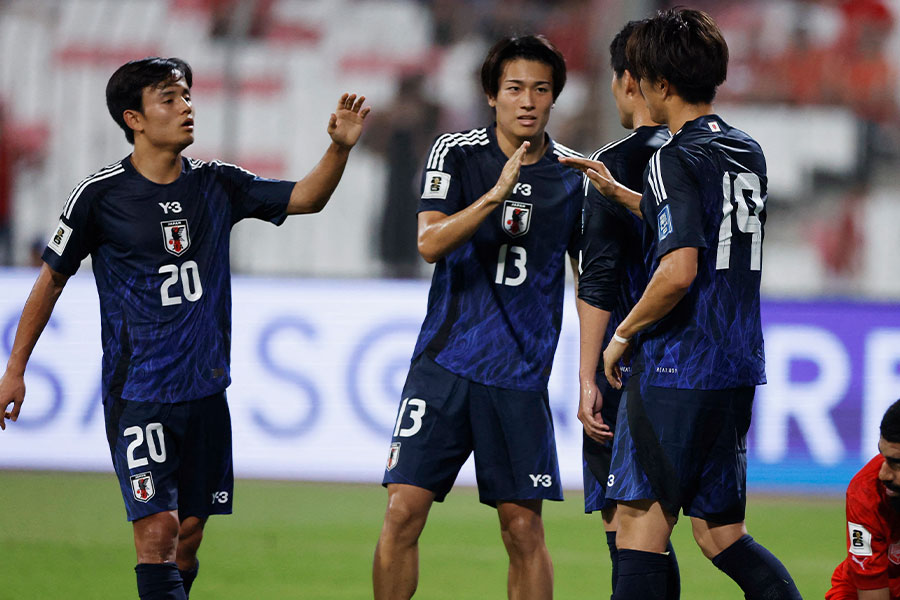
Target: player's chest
(157, 225)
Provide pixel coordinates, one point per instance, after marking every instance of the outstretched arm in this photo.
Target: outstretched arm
(311, 194)
(38, 307)
(440, 234)
(605, 183)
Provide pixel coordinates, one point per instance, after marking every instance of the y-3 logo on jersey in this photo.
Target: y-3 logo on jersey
(175, 207)
(516, 217)
(176, 237)
(523, 189)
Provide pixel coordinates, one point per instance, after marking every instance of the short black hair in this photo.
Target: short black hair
(617, 58)
(529, 47)
(683, 46)
(125, 88)
(890, 424)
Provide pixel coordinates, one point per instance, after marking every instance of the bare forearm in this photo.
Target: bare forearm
(667, 287)
(311, 194)
(440, 236)
(627, 198)
(592, 323)
(35, 315)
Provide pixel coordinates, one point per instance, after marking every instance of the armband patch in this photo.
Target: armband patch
(60, 238)
(665, 223)
(437, 184)
(860, 539)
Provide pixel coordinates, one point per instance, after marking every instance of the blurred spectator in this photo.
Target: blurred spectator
(402, 133)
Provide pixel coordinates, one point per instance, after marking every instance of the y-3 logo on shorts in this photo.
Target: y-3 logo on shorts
(541, 479)
(220, 497)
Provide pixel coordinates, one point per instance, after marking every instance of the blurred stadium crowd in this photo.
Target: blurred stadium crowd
(814, 81)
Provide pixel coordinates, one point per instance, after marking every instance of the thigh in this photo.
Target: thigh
(514, 444)
(144, 439)
(431, 439)
(721, 492)
(627, 480)
(206, 477)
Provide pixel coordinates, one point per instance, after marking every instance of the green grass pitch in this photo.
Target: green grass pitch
(64, 535)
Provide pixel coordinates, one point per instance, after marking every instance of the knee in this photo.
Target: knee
(155, 537)
(404, 519)
(523, 534)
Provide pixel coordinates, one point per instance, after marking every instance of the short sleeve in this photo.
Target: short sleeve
(440, 179)
(867, 545)
(600, 253)
(75, 235)
(677, 207)
(253, 196)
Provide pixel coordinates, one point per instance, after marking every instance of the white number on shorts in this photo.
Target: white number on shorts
(416, 412)
(518, 264)
(156, 447)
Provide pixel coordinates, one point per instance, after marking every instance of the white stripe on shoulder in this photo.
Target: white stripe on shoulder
(561, 150)
(612, 145)
(475, 137)
(195, 163)
(219, 163)
(106, 172)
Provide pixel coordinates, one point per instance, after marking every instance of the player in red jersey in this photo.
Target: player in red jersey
(871, 570)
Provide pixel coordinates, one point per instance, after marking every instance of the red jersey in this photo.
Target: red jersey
(873, 539)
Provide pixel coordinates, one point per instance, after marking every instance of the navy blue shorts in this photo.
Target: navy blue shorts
(685, 448)
(596, 457)
(443, 418)
(172, 456)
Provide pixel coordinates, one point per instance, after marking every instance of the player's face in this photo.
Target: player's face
(623, 103)
(654, 95)
(168, 115)
(890, 470)
(523, 100)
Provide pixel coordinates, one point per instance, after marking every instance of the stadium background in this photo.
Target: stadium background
(326, 308)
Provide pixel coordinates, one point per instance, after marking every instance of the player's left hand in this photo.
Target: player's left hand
(614, 352)
(345, 124)
(596, 172)
(589, 412)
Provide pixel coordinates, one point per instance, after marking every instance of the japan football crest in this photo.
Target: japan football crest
(394, 456)
(894, 553)
(142, 486)
(176, 238)
(516, 217)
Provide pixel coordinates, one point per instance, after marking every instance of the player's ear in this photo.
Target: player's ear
(134, 119)
(492, 101)
(630, 84)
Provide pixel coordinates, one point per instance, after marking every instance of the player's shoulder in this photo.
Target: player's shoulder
(94, 186)
(560, 150)
(863, 487)
(195, 165)
(458, 144)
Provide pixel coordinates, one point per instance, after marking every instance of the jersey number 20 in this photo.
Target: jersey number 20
(738, 186)
(190, 283)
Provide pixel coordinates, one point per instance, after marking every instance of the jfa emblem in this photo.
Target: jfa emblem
(142, 486)
(394, 456)
(176, 237)
(516, 217)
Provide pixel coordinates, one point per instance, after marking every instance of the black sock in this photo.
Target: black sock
(159, 582)
(760, 575)
(642, 576)
(613, 556)
(188, 577)
(673, 575)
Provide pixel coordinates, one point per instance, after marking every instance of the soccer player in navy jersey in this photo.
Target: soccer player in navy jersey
(699, 356)
(157, 227)
(497, 216)
(611, 279)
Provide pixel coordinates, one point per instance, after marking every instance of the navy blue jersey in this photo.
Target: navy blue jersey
(706, 189)
(611, 262)
(160, 256)
(495, 305)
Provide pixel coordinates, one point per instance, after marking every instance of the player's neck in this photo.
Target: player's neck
(159, 166)
(509, 144)
(682, 112)
(641, 118)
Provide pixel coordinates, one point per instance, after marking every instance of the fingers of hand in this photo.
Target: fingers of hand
(347, 101)
(364, 112)
(358, 104)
